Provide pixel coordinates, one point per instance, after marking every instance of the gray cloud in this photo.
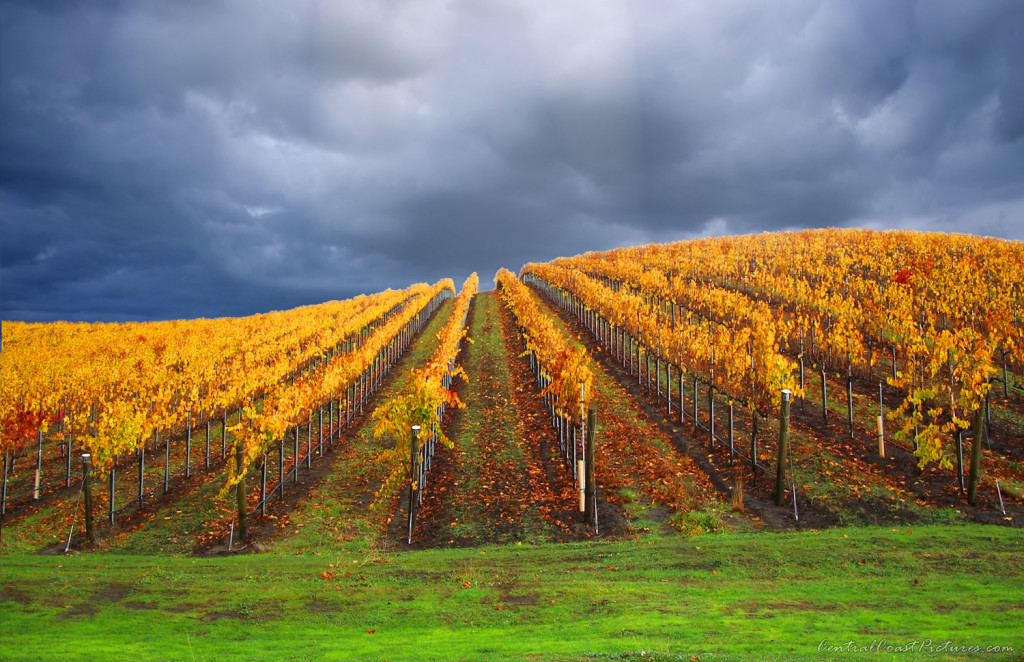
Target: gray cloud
(177, 159)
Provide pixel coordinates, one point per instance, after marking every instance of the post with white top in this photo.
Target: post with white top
(780, 476)
(240, 493)
(90, 532)
(413, 473)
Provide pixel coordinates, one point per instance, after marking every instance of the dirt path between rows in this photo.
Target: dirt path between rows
(503, 480)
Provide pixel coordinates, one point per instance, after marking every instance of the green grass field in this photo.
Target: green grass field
(722, 597)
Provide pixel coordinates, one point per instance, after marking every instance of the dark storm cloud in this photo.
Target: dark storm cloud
(175, 159)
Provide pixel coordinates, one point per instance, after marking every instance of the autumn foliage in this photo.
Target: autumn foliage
(934, 315)
(426, 392)
(109, 387)
(565, 366)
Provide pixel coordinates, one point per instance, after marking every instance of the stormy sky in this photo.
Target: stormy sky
(184, 159)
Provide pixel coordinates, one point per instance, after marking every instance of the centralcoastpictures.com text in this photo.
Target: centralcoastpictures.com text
(911, 646)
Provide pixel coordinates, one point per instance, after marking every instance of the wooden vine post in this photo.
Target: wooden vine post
(780, 476)
(3, 489)
(753, 444)
(590, 516)
(413, 473)
(849, 402)
(243, 522)
(977, 433)
(39, 467)
(824, 393)
(90, 532)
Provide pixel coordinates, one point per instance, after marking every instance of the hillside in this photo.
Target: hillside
(254, 481)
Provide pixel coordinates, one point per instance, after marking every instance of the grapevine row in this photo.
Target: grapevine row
(741, 361)
(847, 299)
(371, 349)
(356, 374)
(562, 369)
(945, 309)
(421, 406)
(118, 382)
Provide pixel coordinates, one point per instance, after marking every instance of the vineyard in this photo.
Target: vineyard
(913, 344)
(671, 395)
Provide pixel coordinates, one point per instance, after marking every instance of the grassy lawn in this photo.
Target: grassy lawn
(722, 597)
